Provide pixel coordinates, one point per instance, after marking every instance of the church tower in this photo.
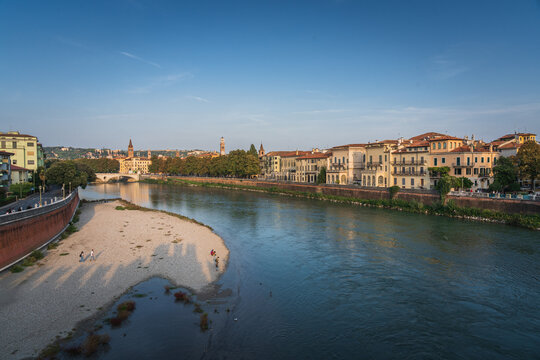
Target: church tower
(149, 154)
(130, 149)
(177, 153)
(222, 147)
(261, 151)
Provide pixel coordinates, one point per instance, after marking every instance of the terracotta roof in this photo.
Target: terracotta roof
(18, 168)
(6, 153)
(445, 137)
(316, 156)
(348, 145)
(427, 135)
(510, 145)
(508, 136)
(277, 153)
(16, 135)
(296, 153)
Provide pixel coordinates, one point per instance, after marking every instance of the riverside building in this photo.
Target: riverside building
(132, 164)
(27, 151)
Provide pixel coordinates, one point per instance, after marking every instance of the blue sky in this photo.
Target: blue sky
(292, 74)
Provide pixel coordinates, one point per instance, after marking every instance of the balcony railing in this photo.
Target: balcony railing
(410, 162)
(410, 173)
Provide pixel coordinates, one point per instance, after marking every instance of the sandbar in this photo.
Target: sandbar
(130, 246)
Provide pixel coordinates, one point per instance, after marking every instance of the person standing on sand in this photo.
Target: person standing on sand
(92, 255)
(81, 256)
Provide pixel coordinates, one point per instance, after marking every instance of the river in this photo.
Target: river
(318, 280)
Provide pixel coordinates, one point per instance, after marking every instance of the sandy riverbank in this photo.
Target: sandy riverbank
(129, 245)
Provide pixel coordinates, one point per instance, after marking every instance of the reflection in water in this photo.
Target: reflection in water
(313, 279)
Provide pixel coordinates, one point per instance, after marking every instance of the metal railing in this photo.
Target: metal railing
(28, 213)
(495, 196)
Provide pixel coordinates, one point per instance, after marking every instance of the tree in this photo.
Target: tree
(461, 182)
(253, 150)
(321, 179)
(528, 159)
(505, 175)
(393, 190)
(65, 172)
(444, 185)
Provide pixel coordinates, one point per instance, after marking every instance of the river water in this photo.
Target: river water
(309, 279)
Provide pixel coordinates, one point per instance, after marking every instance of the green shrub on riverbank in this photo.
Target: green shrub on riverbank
(438, 208)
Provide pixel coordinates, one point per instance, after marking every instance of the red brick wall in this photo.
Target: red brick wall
(506, 206)
(23, 236)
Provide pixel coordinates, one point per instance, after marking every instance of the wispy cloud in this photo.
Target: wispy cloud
(322, 111)
(160, 82)
(444, 67)
(138, 58)
(197, 98)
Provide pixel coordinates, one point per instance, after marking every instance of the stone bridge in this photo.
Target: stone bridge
(106, 177)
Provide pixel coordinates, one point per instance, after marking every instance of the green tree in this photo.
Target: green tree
(253, 150)
(65, 172)
(321, 178)
(393, 190)
(444, 185)
(528, 159)
(505, 175)
(461, 182)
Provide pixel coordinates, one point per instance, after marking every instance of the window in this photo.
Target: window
(468, 161)
(412, 160)
(385, 158)
(468, 171)
(412, 182)
(443, 160)
(395, 181)
(457, 171)
(14, 162)
(482, 159)
(403, 181)
(364, 158)
(435, 161)
(14, 144)
(475, 171)
(395, 170)
(444, 145)
(31, 144)
(458, 161)
(343, 160)
(30, 162)
(433, 146)
(380, 159)
(3, 145)
(494, 160)
(487, 160)
(370, 158)
(422, 159)
(475, 159)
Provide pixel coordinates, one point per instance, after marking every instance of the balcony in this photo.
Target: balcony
(373, 165)
(409, 173)
(409, 162)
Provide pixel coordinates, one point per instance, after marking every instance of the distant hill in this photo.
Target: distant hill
(71, 153)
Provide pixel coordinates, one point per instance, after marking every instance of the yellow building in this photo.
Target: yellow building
(410, 166)
(288, 165)
(271, 164)
(519, 138)
(133, 164)
(27, 153)
(309, 166)
(473, 162)
(378, 163)
(346, 164)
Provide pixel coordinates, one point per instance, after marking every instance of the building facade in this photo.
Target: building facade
(378, 163)
(409, 169)
(27, 153)
(5, 169)
(308, 167)
(133, 164)
(346, 163)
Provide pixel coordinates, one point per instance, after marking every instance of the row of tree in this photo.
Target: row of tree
(74, 173)
(237, 163)
(102, 165)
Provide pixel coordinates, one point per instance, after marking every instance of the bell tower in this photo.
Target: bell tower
(130, 149)
(222, 147)
(261, 151)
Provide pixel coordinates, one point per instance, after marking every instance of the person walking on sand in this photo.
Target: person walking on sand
(81, 256)
(92, 255)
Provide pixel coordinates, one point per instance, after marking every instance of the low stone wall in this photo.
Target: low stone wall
(424, 197)
(21, 233)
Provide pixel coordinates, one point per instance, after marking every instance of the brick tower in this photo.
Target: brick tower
(222, 147)
(130, 149)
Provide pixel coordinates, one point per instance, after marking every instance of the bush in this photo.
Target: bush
(127, 306)
(92, 343)
(181, 296)
(120, 208)
(16, 269)
(204, 322)
(393, 190)
(36, 254)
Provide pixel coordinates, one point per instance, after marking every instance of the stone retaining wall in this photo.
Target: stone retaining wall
(31, 229)
(424, 197)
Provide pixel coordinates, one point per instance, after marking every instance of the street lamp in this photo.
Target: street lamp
(39, 195)
(63, 191)
(70, 187)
